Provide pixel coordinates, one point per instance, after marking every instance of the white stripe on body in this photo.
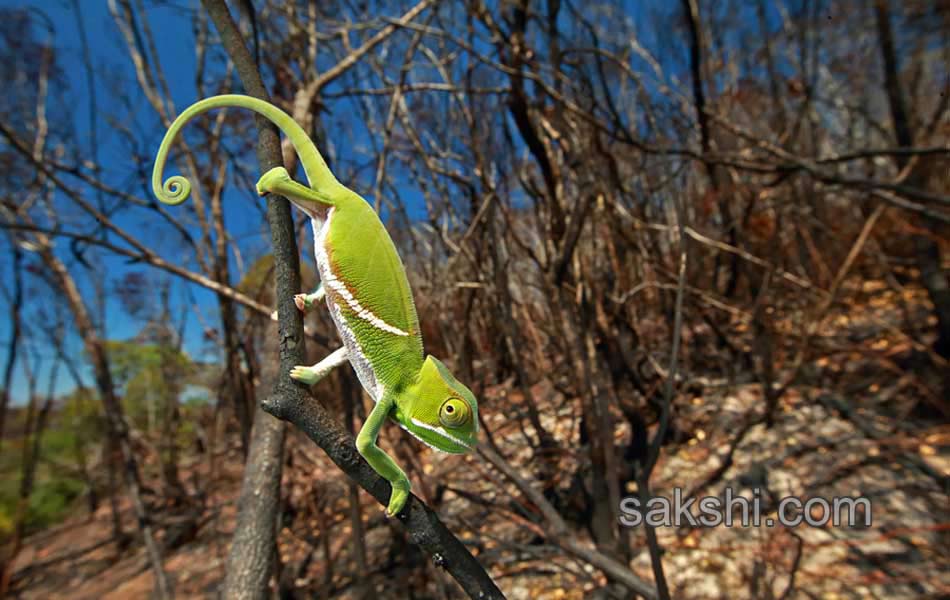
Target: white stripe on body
(330, 280)
(355, 354)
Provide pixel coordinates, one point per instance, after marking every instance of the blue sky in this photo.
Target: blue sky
(110, 59)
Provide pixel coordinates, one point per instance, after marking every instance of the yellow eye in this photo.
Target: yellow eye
(455, 412)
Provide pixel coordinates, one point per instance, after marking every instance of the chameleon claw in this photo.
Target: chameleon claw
(305, 301)
(304, 375)
(397, 499)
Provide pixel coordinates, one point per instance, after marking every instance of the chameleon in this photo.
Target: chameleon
(365, 287)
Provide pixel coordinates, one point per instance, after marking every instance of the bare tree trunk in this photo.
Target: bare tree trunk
(15, 328)
(932, 275)
(115, 419)
(693, 21)
(514, 342)
(251, 559)
(170, 349)
(112, 464)
(234, 384)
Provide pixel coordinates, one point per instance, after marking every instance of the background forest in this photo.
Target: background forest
(686, 245)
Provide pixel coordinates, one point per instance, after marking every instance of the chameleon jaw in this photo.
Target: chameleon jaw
(442, 432)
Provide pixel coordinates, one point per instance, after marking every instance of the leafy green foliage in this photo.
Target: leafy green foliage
(52, 497)
(148, 374)
(74, 427)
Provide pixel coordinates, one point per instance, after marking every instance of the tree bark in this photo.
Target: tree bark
(691, 8)
(932, 276)
(250, 561)
(251, 558)
(14, 344)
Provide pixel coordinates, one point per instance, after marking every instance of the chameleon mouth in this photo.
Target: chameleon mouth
(311, 209)
(442, 432)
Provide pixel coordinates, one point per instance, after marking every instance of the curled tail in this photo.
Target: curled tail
(176, 189)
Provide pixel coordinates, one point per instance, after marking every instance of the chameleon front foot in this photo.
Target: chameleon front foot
(398, 498)
(301, 301)
(311, 375)
(305, 301)
(272, 180)
(381, 462)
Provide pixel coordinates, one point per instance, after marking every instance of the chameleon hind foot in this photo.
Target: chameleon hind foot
(306, 375)
(311, 375)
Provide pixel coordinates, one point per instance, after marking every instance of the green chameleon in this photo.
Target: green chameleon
(367, 292)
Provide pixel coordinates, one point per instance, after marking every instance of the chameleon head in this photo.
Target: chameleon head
(440, 411)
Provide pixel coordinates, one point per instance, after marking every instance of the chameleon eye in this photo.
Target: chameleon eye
(454, 412)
